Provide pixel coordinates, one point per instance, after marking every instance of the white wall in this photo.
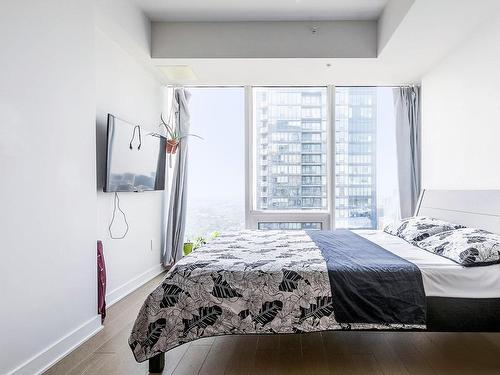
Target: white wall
(461, 115)
(394, 12)
(128, 90)
(47, 189)
(53, 61)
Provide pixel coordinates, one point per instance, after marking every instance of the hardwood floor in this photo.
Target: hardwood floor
(342, 353)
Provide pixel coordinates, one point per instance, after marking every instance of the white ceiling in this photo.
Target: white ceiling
(430, 30)
(261, 10)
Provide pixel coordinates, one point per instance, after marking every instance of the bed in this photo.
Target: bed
(282, 282)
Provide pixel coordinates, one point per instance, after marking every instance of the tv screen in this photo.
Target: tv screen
(135, 159)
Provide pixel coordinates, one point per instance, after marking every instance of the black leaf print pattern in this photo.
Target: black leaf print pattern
(222, 289)
(207, 316)
(171, 294)
(322, 307)
(133, 345)
(441, 248)
(227, 256)
(469, 256)
(418, 228)
(257, 264)
(191, 267)
(154, 332)
(282, 245)
(476, 239)
(243, 314)
(268, 312)
(465, 246)
(290, 281)
(421, 237)
(444, 235)
(423, 226)
(401, 229)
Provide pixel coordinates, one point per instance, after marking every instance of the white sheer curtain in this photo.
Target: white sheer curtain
(176, 219)
(398, 152)
(408, 136)
(388, 192)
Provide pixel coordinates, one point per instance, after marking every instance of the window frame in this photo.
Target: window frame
(252, 215)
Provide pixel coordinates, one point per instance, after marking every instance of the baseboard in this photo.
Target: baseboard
(124, 290)
(48, 357)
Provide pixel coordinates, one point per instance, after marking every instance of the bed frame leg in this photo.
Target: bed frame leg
(157, 363)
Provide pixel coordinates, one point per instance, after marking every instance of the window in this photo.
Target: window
(365, 180)
(316, 158)
(289, 156)
(288, 145)
(216, 191)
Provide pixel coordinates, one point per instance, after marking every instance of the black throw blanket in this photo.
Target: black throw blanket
(370, 284)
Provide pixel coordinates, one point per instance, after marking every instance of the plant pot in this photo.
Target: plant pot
(188, 248)
(172, 146)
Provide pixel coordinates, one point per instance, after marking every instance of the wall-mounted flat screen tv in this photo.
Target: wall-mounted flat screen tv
(135, 158)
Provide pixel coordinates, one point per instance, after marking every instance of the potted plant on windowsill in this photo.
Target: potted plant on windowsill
(190, 245)
(173, 136)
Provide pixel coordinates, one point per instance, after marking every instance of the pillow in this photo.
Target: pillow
(392, 228)
(417, 228)
(467, 246)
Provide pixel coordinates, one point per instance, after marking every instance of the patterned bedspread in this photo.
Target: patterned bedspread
(249, 282)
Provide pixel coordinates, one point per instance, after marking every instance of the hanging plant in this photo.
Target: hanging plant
(173, 135)
(172, 146)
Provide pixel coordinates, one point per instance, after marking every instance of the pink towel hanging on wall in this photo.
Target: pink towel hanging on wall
(101, 282)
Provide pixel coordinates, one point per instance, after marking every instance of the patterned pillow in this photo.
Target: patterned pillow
(417, 228)
(392, 228)
(468, 246)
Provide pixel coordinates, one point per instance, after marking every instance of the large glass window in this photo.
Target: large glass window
(365, 157)
(216, 166)
(305, 169)
(290, 150)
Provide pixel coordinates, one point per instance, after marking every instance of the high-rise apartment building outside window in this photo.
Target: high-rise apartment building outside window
(366, 186)
(290, 163)
(355, 157)
(290, 148)
(316, 159)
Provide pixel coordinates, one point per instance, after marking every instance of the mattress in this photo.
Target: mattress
(441, 276)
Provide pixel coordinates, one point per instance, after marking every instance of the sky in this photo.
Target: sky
(217, 163)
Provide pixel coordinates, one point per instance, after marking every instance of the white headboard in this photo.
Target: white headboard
(472, 208)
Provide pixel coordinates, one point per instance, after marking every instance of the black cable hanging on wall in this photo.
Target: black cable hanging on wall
(116, 205)
(133, 137)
